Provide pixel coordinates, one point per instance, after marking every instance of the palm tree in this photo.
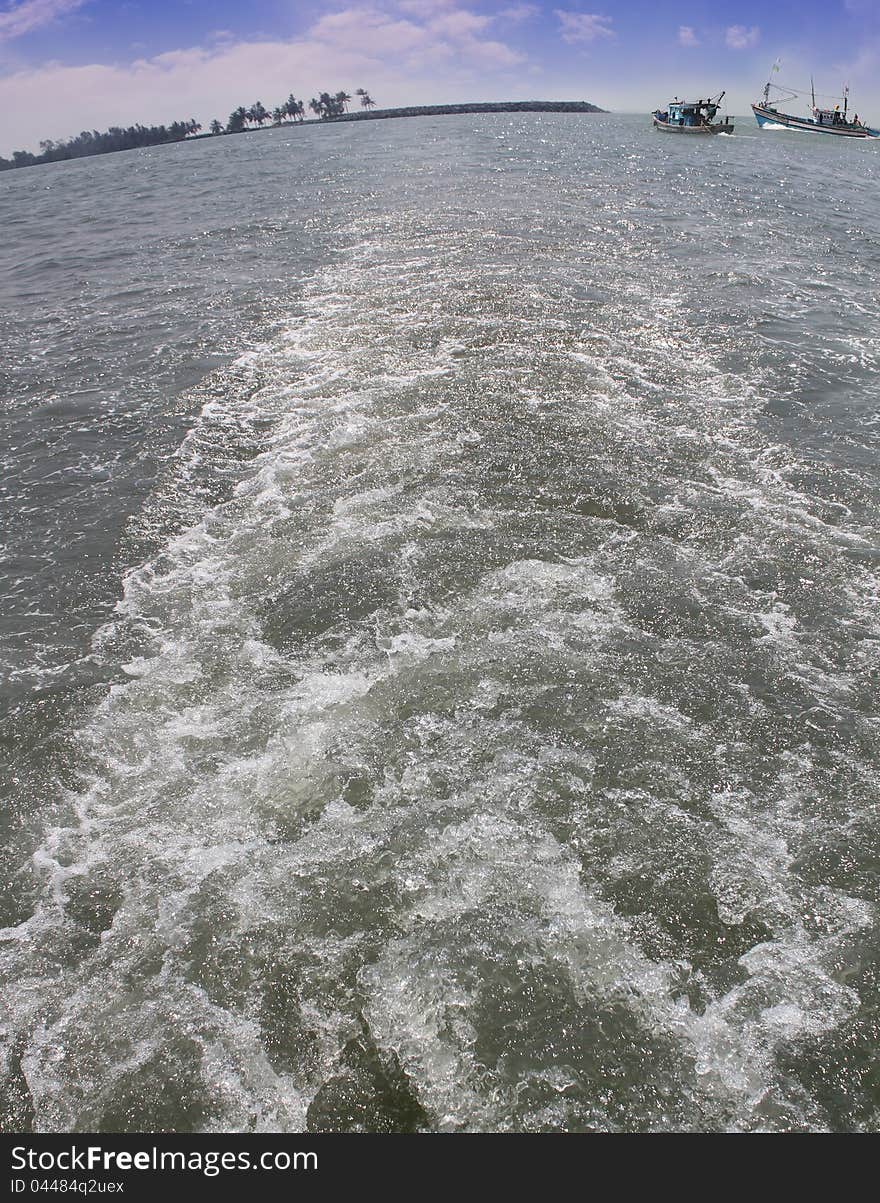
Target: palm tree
(342, 99)
(258, 113)
(331, 106)
(367, 101)
(327, 105)
(237, 120)
(91, 142)
(216, 127)
(278, 115)
(293, 107)
(317, 107)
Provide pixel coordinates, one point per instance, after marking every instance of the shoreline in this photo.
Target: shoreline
(451, 110)
(422, 110)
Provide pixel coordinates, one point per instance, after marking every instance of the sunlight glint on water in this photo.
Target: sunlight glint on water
(484, 737)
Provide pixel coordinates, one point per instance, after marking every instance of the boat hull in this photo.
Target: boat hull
(722, 127)
(766, 116)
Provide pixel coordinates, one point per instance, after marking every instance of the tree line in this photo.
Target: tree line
(323, 106)
(91, 142)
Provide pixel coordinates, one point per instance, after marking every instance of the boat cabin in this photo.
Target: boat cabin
(681, 112)
(829, 117)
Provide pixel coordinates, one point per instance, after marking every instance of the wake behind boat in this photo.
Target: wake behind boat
(683, 117)
(835, 121)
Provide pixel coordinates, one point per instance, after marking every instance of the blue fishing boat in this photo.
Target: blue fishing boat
(835, 121)
(692, 117)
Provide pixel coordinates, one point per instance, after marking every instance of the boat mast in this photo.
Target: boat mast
(845, 99)
(767, 85)
(813, 91)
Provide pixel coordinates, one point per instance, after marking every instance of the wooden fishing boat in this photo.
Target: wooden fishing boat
(697, 117)
(835, 121)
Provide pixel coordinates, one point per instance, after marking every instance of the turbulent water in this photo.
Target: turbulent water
(440, 632)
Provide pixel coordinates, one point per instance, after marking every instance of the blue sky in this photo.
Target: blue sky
(66, 65)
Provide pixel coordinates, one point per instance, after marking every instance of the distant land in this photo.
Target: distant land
(501, 106)
(94, 143)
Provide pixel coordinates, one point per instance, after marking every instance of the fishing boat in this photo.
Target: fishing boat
(697, 117)
(834, 121)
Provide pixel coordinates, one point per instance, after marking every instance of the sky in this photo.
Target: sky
(68, 65)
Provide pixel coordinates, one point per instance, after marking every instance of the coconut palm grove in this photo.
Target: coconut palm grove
(91, 142)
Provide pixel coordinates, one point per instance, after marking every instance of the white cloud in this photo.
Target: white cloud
(519, 12)
(444, 55)
(494, 55)
(583, 27)
(687, 36)
(459, 24)
(740, 38)
(369, 31)
(425, 8)
(28, 15)
(373, 31)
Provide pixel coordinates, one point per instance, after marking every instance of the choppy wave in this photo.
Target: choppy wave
(497, 743)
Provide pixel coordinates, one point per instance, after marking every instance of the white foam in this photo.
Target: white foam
(482, 781)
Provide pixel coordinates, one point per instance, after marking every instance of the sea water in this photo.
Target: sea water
(440, 631)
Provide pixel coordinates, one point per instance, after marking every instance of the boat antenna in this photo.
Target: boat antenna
(813, 91)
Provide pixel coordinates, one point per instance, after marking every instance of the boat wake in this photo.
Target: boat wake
(477, 761)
